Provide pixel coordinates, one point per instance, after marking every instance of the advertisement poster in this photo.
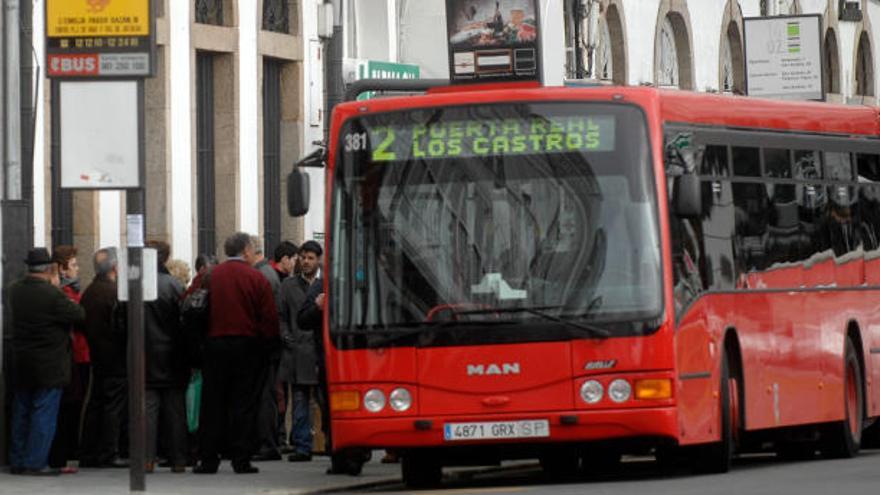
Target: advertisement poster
(493, 40)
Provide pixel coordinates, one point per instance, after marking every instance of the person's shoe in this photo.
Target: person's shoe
(266, 456)
(16, 469)
(390, 458)
(245, 468)
(89, 462)
(299, 457)
(205, 468)
(68, 470)
(46, 471)
(180, 468)
(116, 462)
(287, 449)
(149, 467)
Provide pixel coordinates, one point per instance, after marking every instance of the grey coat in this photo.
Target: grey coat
(299, 359)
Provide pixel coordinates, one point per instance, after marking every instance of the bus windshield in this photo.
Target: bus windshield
(525, 214)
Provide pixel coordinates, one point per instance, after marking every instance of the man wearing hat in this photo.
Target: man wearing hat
(41, 360)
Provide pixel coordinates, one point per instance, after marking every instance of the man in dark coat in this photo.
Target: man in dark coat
(299, 362)
(267, 418)
(107, 339)
(41, 360)
(243, 330)
(167, 372)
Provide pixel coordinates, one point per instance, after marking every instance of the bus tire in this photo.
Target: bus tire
(717, 457)
(420, 471)
(842, 439)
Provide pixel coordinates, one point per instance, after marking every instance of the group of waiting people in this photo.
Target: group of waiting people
(69, 368)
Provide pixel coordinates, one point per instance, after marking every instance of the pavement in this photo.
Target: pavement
(274, 478)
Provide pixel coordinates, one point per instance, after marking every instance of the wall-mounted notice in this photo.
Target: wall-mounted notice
(784, 57)
(493, 40)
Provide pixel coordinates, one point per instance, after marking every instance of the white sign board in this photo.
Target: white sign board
(784, 57)
(148, 274)
(99, 135)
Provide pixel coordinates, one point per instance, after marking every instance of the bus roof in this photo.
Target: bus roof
(672, 105)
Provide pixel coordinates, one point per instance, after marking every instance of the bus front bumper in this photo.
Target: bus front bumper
(564, 426)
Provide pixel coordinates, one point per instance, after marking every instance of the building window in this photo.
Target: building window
(864, 67)
(271, 154)
(276, 16)
(732, 73)
(780, 7)
(831, 59)
(209, 12)
(205, 187)
(604, 55)
(667, 56)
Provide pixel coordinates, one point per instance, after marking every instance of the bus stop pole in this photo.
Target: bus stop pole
(135, 208)
(2, 182)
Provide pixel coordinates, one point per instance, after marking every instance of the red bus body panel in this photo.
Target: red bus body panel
(791, 343)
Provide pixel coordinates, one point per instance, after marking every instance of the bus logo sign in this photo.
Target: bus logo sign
(600, 365)
(493, 369)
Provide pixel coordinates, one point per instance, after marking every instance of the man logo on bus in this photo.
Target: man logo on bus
(493, 369)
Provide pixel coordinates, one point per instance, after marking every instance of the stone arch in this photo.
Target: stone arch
(614, 20)
(863, 75)
(831, 53)
(732, 35)
(675, 12)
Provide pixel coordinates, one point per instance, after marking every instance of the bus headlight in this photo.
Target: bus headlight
(374, 400)
(619, 390)
(591, 391)
(400, 399)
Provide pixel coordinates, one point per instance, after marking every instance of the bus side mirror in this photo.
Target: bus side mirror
(298, 193)
(687, 196)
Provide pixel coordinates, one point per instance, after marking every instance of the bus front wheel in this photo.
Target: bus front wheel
(420, 470)
(842, 439)
(717, 457)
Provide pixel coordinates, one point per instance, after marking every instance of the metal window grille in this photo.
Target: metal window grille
(271, 154)
(209, 12)
(276, 16)
(205, 177)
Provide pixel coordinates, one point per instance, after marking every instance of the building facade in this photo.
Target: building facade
(232, 106)
(239, 95)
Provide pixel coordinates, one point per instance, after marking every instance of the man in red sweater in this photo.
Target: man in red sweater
(243, 330)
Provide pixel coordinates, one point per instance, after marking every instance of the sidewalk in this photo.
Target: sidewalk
(274, 478)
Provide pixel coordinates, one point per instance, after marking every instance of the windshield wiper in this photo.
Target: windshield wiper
(404, 331)
(594, 330)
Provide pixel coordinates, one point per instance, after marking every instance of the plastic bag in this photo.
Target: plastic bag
(193, 401)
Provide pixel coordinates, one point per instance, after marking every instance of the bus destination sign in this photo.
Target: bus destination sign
(493, 40)
(484, 138)
(99, 38)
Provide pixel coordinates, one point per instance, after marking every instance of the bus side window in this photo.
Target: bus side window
(746, 162)
(715, 162)
(752, 218)
(777, 163)
(868, 167)
(838, 166)
(806, 165)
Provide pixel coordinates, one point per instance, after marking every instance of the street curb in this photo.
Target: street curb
(367, 485)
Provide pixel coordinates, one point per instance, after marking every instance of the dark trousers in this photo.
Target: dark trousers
(106, 413)
(166, 412)
(66, 443)
(267, 421)
(34, 413)
(234, 372)
(301, 432)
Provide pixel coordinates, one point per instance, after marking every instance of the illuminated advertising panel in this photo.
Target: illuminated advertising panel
(493, 40)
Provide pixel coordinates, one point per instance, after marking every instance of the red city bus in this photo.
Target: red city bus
(574, 274)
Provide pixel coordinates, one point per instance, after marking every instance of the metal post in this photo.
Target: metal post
(333, 76)
(135, 208)
(2, 174)
(12, 169)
